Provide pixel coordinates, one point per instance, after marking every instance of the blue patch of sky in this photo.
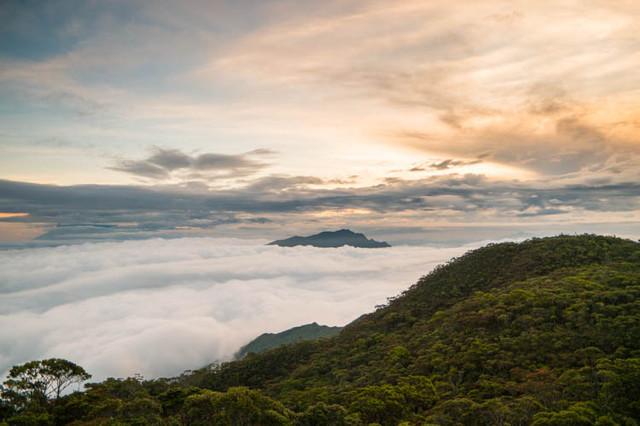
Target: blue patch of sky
(37, 30)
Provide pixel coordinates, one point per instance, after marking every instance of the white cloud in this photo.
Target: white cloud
(157, 307)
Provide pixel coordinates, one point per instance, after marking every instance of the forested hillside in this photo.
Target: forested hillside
(544, 332)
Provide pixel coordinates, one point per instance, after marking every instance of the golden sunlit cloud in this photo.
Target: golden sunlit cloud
(6, 215)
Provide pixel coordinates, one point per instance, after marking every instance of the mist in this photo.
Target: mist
(158, 307)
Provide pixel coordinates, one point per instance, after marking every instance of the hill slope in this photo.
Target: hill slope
(547, 328)
(268, 341)
(332, 239)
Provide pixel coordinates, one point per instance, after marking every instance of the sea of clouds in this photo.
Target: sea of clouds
(157, 307)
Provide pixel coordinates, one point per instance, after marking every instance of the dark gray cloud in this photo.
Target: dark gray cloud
(443, 165)
(170, 159)
(275, 183)
(166, 163)
(153, 209)
(144, 169)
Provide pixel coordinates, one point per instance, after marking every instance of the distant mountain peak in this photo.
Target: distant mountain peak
(343, 231)
(300, 333)
(329, 239)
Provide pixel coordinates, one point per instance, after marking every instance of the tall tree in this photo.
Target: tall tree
(38, 382)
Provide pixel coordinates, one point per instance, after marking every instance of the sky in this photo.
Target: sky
(414, 121)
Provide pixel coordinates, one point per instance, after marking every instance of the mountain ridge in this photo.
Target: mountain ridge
(332, 239)
(534, 294)
(267, 341)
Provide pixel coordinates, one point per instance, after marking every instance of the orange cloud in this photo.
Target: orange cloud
(6, 215)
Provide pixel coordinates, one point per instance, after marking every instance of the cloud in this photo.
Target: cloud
(277, 183)
(550, 147)
(443, 165)
(157, 307)
(162, 164)
(264, 205)
(535, 100)
(142, 168)
(170, 159)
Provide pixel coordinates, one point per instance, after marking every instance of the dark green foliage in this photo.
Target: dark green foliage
(236, 407)
(545, 332)
(42, 381)
(322, 414)
(120, 401)
(32, 390)
(268, 341)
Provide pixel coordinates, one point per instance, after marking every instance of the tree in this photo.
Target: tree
(36, 383)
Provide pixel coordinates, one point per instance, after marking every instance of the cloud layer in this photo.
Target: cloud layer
(157, 307)
(263, 206)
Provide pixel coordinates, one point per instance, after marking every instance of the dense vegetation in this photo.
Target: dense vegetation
(268, 341)
(545, 332)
